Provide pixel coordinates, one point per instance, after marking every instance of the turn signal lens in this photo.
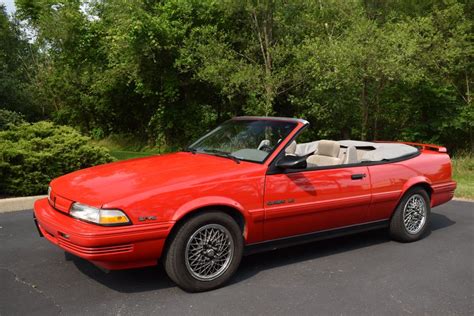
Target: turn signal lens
(98, 216)
(108, 217)
(49, 194)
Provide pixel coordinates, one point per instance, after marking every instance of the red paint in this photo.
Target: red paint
(323, 199)
(174, 185)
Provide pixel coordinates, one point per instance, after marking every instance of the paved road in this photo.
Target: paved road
(359, 274)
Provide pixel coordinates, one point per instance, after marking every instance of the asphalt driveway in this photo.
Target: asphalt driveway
(359, 274)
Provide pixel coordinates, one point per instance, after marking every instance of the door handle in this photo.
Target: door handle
(358, 176)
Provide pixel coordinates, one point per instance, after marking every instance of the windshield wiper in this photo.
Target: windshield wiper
(221, 153)
(191, 150)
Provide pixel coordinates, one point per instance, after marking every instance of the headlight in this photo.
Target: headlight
(98, 216)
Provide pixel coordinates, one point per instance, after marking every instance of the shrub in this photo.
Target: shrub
(8, 118)
(33, 154)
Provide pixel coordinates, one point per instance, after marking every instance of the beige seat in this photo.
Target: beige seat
(290, 150)
(351, 155)
(342, 154)
(327, 154)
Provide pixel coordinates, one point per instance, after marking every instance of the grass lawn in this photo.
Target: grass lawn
(463, 174)
(125, 147)
(463, 169)
(125, 154)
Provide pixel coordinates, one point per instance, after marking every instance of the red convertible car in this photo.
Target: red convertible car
(251, 184)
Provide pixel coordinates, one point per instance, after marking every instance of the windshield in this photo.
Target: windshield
(251, 140)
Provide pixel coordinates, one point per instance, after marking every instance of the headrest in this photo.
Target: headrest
(351, 155)
(263, 143)
(328, 148)
(291, 149)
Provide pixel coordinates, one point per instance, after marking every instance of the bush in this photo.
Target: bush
(9, 118)
(33, 154)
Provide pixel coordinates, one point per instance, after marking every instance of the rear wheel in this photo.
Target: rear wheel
(205, 252)
(412, 215)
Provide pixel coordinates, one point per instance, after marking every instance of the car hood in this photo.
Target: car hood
(104, 184)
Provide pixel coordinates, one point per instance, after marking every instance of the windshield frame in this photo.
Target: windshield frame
(297, 125)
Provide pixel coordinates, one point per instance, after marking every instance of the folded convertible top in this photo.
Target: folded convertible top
(381, 151)
(374, 151)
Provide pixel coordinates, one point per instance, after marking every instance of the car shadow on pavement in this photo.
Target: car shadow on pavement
(254, 264)
(439, 221)
(155, 278)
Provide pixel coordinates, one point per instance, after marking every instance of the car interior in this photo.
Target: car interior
(331, 153)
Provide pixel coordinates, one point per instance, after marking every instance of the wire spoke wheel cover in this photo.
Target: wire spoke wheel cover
(209, 252)
(414, 214)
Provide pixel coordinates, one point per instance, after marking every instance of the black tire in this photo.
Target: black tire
(175, 257)
(401, 232)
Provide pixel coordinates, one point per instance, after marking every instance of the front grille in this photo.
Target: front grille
(94, 250)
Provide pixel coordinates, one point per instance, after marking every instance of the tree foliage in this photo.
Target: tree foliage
(15, 68)
(168, 70)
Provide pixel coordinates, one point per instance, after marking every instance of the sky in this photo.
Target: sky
(10, 4)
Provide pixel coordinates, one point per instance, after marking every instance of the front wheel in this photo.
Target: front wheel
(412, 215)
(205, 252)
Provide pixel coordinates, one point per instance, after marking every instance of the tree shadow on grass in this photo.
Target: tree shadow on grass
(155, 278)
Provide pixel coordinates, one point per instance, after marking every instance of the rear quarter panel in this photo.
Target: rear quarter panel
(390, 181)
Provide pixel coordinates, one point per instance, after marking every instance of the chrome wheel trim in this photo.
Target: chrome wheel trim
(414, 214)
(209, 252)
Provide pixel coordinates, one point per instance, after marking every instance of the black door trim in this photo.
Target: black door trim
(310, 237)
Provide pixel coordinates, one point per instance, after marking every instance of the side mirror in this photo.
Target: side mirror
(291, 162)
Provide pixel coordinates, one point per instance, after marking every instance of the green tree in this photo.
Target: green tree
(15, 57)
(165, 71)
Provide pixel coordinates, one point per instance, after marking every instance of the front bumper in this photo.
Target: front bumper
(112, 248)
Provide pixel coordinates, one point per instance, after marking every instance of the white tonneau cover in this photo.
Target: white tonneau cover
(374, 151)
(304, 149)
(382, 151)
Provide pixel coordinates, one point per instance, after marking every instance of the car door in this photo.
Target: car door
(305, 201)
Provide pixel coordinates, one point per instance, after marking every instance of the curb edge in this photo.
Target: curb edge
(18, 204)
